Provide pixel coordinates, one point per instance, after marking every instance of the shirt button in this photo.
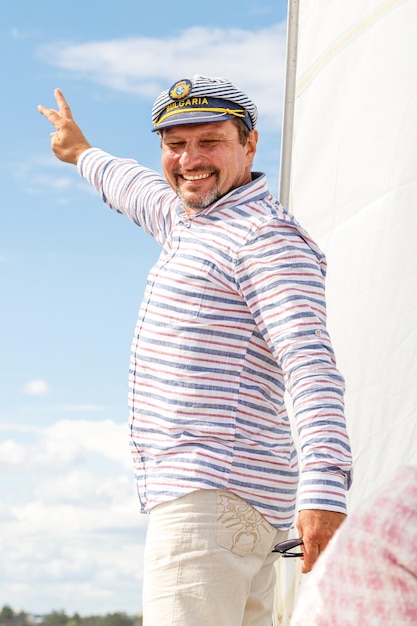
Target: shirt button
(317, 332)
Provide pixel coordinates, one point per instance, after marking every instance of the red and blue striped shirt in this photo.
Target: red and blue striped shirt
(233, 315)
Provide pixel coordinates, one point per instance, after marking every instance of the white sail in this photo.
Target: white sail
(350, 176)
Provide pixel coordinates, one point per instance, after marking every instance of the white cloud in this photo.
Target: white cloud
(255, 60)
(42, 174)
(11, 453)
(105, 437)
(36, 387)
(79, 487)
(65, 444)
(81, 408)
(70, 526)
(77, 552)
(55, 183)
(17, 34)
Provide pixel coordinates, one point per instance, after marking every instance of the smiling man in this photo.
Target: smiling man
(233, 314)
(203, 162)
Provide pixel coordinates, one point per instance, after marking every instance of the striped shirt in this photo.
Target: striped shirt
(233, 314)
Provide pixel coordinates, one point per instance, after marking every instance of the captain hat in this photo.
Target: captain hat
(202, 99)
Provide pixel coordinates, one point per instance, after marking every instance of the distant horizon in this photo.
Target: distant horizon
(11, 617)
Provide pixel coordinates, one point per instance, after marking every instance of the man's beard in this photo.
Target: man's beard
(197, 201)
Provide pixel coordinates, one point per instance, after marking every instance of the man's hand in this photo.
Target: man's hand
(67, 142)
(316, 528)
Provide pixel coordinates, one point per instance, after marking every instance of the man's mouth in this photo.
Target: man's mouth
(192, 177)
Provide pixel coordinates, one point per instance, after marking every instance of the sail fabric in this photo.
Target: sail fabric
(350, 177)
(353, 185)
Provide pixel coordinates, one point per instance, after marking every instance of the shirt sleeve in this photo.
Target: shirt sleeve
(282, 281)
(131, 189)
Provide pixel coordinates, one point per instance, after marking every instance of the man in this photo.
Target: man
(233, 312)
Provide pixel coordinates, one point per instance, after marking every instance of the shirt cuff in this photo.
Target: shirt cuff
(323, 490)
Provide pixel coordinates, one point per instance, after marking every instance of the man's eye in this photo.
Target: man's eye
(210, 142)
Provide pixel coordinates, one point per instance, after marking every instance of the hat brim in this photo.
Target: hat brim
(197, 117)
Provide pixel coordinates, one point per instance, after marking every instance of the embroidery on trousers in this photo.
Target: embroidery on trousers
(245, 525)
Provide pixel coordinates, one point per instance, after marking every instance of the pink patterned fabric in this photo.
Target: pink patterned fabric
(368, 574)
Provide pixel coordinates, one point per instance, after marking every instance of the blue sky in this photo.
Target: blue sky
(73, 274)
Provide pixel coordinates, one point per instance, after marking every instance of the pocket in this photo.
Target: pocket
(178, 288)
(240, 527)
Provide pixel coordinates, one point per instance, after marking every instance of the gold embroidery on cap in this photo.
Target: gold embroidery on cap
(180, 90)
(190, 102)
(175, 110)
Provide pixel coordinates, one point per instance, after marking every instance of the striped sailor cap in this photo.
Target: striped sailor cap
(202, 99)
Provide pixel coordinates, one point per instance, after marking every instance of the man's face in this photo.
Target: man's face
(203, 162)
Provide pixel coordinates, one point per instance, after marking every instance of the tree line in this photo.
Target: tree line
(9, 617)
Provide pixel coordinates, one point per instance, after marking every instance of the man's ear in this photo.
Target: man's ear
(251, 144)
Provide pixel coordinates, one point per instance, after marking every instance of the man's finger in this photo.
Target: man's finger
(63, 106)
(51, 115)
(311, 554)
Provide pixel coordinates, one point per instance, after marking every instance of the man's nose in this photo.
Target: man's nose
(191, 156)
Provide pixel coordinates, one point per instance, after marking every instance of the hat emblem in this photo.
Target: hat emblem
(180, 90)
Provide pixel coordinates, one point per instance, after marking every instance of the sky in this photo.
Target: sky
(73, 273)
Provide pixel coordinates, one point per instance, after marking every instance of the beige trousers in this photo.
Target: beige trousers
(209, 562)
